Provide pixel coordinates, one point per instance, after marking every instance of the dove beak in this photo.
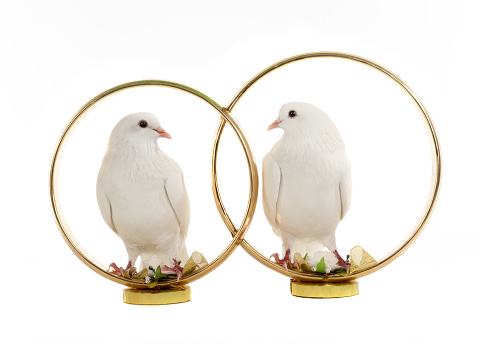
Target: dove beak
(163, 133)
(274, 124)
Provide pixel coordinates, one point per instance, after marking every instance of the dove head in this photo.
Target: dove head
(138, 127)
(300, 116)
(303, 120)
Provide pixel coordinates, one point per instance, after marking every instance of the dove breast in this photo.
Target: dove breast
(309, 201)
(141, 212)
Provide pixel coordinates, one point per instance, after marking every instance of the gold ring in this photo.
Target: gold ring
(435, 179)
(62, 223)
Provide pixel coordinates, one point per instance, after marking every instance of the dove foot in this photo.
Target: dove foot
(114, 269)
(341, 261)
(176, 268)
(285, 262)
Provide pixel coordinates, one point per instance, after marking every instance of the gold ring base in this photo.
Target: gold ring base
(171, 295)
(324, 290)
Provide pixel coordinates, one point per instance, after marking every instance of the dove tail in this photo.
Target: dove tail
(182, 253)
(154, 260)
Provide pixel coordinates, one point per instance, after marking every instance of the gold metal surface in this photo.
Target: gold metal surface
(60, 218)
(435, 177)
(324, 290)
(360, 259)
(170, 295)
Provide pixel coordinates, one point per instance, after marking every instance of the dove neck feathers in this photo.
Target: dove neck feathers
(137, 159)
(311, 140)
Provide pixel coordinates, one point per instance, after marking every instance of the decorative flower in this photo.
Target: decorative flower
(147, 279)
(330, 261)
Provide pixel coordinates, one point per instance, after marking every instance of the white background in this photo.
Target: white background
(55, 56)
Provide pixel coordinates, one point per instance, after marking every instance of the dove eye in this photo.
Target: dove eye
(143, 123)
(292, 114)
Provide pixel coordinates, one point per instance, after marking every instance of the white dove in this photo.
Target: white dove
(142, 195)
(306, 182)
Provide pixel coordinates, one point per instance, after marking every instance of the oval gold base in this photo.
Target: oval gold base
(157, 297)
(324, 290)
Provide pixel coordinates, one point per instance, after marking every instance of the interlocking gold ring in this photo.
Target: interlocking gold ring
(435, 179)
(62, 223)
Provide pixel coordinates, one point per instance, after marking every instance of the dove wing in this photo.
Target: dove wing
(345, 190)
(271, 184)
(178, 197)
(105, 205)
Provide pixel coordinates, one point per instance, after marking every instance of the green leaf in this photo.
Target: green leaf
(140, 275)
(321, 266)
(158, 273)
(153, 284)
(305, 256)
